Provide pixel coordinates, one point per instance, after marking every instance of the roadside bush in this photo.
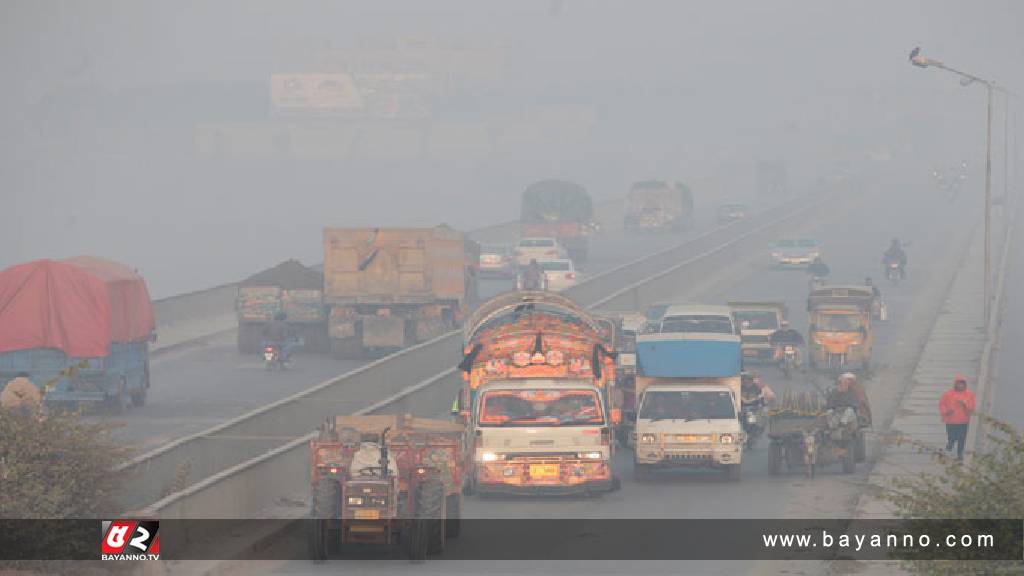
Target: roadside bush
(55, 467)
(991, 486)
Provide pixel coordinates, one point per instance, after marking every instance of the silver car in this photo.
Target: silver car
(794, 252)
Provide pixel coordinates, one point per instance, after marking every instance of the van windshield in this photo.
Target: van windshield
(757, 319)
(687, 405)
(700, 324)
(540, 407)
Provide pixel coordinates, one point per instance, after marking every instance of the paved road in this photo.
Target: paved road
(853, 244)
(199, 387)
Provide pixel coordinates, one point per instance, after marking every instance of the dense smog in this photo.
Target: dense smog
(511, 287)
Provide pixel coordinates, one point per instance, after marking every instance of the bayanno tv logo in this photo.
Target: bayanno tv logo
(130, 540)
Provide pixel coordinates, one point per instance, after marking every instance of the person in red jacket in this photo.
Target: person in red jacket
(956, 407)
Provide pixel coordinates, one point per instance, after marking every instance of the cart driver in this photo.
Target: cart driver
(849, 393)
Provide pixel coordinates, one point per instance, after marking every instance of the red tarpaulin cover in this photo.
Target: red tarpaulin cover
(79, 306)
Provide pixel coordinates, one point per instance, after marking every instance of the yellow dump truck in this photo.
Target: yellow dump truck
(387, 288)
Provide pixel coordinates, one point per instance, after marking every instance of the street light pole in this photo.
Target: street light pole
(988, 208)
(966, 79)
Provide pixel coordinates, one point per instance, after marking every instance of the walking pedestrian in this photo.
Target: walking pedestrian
(956, 406)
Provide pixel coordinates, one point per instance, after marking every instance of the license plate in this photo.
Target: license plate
(367, 514)
(268, 356)
(544, 470)
(691, 438)
(627, 359)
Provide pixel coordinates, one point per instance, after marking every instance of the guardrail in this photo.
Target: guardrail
(246, 443)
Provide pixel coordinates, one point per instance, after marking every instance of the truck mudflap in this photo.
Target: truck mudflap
(543, 476)
(383, 332)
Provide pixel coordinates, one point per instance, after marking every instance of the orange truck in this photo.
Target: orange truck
(388, 288)
(539, 396)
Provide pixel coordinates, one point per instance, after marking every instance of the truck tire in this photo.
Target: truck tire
(850, 456)
(453, 516)
(139, 396)
(733, 472)
(119, 402)
(326, 506)
(775, 458)
(430, 513)
(641, 472)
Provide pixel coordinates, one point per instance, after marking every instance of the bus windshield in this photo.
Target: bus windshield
(540, 407)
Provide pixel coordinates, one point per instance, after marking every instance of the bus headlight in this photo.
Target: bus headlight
(648, 439)
(726, 439)
(488, 457)
(590, 455)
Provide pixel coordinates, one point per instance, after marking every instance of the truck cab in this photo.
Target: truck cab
(541, 436)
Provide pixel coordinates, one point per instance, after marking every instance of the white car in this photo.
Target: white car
(558, 275)
(539, 248)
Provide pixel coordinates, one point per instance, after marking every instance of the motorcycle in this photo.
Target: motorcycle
(273, 357)
(893, 271)
(752, 418)
(788, 360)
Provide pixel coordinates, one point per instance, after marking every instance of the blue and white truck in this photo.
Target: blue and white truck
(688, 394)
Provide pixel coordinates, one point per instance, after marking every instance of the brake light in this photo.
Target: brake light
(269, 349)
(570, 275)
(551, 252)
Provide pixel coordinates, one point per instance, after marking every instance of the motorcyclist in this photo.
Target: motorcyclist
(532, 276)
(849, 393)
(896, 254)
(785, 335)
(753, 391)
(818, 270)
(278, 333)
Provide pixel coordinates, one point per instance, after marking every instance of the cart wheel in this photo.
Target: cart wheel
(860, 450)
(775, 458)
(850, 457)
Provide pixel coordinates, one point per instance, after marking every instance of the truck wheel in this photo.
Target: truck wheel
(430, 514)
(641, 472)
(860, 451)
(453, 516)
(119, 402)
(326, 508)
(139, 398)
(775, 458)
(733, 472)
(850, 457)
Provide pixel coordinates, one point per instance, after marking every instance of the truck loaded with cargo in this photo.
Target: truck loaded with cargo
(562, 210)
(289, 288)
(79, 329)
(688, 393)
(540, 376)
(388, 288)
(658, 205)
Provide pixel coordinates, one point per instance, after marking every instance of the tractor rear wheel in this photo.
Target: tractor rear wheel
(326, 508)
(430, 511)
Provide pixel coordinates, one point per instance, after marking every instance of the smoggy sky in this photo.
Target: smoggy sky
(102, 100)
